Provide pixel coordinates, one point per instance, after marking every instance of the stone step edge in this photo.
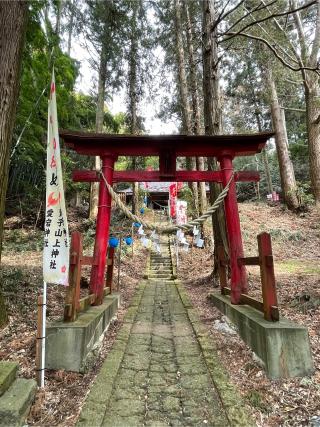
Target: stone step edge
(8, 373)
(230, 396)
(15, 403)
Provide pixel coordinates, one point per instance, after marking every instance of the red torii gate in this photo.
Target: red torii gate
(168, 148)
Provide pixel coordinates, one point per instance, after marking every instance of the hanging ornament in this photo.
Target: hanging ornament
(128, 240)
(141, 231)
(186, 246)
(113, 242)
(200, 243)
(195, 231)
(146, 242)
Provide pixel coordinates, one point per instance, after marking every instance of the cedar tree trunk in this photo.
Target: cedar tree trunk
(13, 20)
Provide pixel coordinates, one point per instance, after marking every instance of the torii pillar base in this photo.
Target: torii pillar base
(283, 346)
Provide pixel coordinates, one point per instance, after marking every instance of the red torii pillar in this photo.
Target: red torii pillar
(97, 277)
(239, 282)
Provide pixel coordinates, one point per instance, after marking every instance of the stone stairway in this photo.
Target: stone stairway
(16, 395)
(161, 264)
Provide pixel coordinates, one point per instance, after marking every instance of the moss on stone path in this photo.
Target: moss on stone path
(162, 369)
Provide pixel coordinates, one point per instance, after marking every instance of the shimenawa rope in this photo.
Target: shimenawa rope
(172, 228)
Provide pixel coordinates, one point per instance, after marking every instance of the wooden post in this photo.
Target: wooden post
(102, 231)
(222, 268)
(269, 294)
(73, 290)
(110, 265)
(39, 340)
(238, 272)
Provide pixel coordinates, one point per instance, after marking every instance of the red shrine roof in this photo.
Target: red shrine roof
(100, 144)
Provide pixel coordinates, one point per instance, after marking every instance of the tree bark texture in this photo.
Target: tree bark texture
(102, 79)
(194, 186)
(264, 156)
(308, 56)
(183, 90)
(288, 181)
(133, 99)
(58, 18)
(13, 19)
(212, 117)
(312, 98)
(196, 115)
(70, 25)
(182, 77)
(202, 186)
(265, 160)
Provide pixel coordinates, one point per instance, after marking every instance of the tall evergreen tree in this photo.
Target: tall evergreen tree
(212, 113)
(13, 20)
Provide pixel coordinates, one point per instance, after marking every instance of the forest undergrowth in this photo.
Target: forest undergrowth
(21, 269)
(296, 241)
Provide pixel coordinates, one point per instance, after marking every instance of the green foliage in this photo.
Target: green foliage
(304, 193)
(257, 401)
(186, 194)
(285, 235)
(20, 240)
(76, 111)
(118, 26)
(299, 157)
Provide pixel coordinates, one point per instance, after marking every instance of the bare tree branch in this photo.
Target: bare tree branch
(316, 41)
(294, 50)
(221, 17)
(298, 83)
(258, 8)
(275, 44)
(302, 39)
(300, 110)
(273, 49)
(274, 15)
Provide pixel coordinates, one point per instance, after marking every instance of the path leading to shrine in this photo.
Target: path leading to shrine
(162, 369)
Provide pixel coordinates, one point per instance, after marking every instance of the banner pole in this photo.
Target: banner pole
(177, 251)
(132, 239)
(43, 334)
(119, 262)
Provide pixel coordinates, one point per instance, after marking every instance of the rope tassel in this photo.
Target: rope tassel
(173, 228)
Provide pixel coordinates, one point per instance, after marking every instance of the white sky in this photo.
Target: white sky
(153, 125)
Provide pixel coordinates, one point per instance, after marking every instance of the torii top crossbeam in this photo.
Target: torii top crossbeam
(168, 148)
(156, 145)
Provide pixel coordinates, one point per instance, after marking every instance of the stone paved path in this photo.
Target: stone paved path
(157, 374)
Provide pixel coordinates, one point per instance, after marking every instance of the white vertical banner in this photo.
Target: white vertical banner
(181, 217)
(56, 239)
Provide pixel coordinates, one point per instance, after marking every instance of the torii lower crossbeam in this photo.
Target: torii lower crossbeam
(155, 176)
(167, 148)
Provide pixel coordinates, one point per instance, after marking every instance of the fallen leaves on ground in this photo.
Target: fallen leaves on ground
(291, 402)
(59, 403)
